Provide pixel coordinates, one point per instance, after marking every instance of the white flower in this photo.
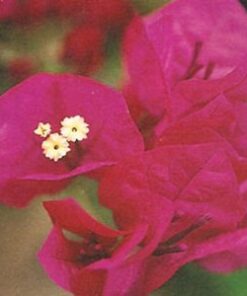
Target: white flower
(55, 147)
(43, 129)
(74, 128)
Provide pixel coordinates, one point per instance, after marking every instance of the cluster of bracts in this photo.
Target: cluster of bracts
(169, 153)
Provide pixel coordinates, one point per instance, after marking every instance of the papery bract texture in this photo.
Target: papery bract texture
(182, 41)
(49, 99)
(196, 83)
(198, 79)
(220, 118)
(103, 261)
(204, 40)
(200, 182)
(199, 179)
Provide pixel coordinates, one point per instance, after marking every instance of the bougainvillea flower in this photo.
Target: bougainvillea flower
(177, 108)
(184, 40)
(103, 261)
(198, 178)
(84, 48)
(200, 182)
(33, 117)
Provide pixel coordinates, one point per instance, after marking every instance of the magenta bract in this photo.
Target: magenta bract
(196, 83)
(201, 184)
(103, 261)
(199, 179)
(184, 40)
(25, 171)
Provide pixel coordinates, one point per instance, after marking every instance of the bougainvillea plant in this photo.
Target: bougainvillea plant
(168, 154)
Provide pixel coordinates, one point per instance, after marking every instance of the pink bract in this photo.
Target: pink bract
(104, 261)
(195, 94)
(221, 119)
(174, 108)
(182, 41)
(199, 179)
(202, 186)
(25, 171)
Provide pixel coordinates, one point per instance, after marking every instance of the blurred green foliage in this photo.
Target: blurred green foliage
(145, 6)
(191, 280)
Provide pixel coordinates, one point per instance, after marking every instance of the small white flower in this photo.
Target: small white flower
(55, 147)
(43, 129)
(74, 128)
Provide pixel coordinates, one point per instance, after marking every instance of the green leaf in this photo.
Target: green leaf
(194, 281)
(149, 5)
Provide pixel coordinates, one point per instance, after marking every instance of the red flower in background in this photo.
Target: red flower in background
(20, 68)
(27, 11)
(91, 21)
(108, 14)
(84, 48)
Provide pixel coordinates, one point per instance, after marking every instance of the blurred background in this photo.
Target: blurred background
(56, 36)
